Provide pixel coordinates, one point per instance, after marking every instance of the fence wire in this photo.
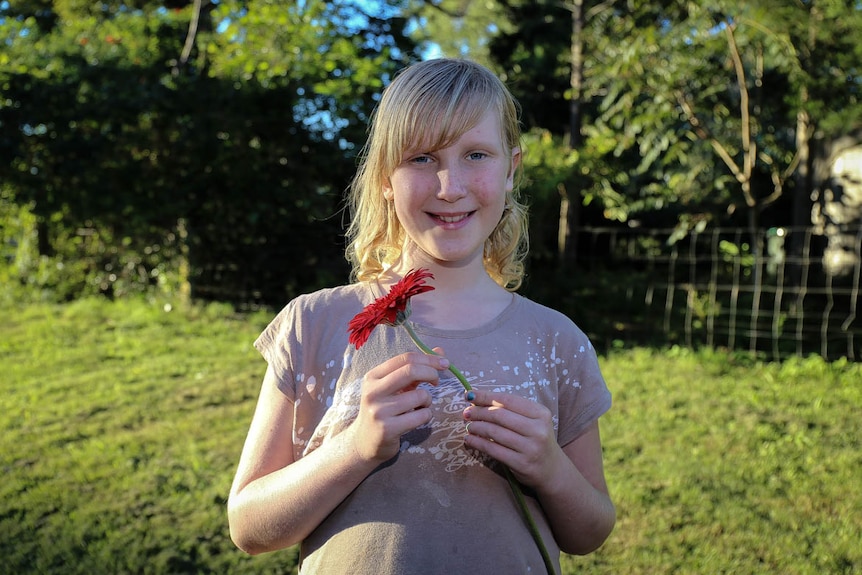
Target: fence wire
(798, 296)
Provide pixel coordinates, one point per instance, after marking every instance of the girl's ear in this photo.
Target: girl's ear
(388, 193)
(513, 167)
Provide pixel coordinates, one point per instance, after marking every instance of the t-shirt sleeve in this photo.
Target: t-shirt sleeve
(585, 396)
(275, 344)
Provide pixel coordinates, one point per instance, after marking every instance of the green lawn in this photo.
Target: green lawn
(122, 423)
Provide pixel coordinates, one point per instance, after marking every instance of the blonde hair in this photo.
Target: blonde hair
(438, 101)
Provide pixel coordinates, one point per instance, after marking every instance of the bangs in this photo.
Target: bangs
(432, 112)
(437, 123)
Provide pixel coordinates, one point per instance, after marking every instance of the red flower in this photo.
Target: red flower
(390, 309)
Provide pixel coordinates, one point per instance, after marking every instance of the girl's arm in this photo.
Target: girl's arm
(569, 481)
(575, 498)
(276, 501)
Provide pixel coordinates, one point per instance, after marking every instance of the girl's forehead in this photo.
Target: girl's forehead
(429, 140)
(429, 135)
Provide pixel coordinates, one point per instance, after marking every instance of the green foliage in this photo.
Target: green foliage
(548, 163)
(730, 252)
(216, 153)
(458, 28)
(83, 261)
(234, 154)
(534, 58)
(660, 93)
(122, 423)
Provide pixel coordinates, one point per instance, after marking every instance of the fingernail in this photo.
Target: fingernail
(444, 363)
(470, 396)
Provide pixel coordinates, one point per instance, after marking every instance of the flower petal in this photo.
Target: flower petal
(390, 309)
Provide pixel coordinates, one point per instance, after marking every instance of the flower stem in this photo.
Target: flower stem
(513, 482)
(430, 351)
(531, 525)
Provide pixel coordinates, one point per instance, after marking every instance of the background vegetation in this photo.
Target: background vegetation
(204, 145)
(123, 424)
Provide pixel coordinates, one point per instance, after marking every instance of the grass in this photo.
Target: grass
(122, 424)
(722, 464)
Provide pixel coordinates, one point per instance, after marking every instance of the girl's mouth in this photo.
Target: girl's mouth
(452, 218)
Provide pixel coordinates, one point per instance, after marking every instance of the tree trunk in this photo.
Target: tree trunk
(570, 195)
(801, 217)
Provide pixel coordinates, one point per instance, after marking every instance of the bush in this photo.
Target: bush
(68, 263)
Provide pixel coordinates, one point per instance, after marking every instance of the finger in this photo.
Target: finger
(498, 416)
(400, 412)
(484, 432)
(496, 450)
(511, 428)
(404, 372)
(402, 402)
(439, 351)
(416, 399)
(489, 398)
(413, 419)
(508, 401)
(435, 362)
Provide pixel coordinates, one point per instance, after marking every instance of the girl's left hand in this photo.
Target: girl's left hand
(515, 431)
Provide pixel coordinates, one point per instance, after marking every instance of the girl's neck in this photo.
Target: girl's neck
(454, 281)
(462, 298)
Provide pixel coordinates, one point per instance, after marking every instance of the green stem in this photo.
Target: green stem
(430, 351)
(513, 482)
(531, 525)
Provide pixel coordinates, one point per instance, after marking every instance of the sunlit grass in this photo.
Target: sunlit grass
(122, 424)
(721, 464)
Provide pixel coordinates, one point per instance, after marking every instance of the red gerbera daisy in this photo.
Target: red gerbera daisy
(390, 309)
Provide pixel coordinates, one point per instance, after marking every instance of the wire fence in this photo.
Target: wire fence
(799, 295)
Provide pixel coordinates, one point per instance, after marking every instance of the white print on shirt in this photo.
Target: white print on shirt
(341, 412)
(443, 437)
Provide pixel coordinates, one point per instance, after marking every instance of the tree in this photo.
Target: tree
(754, 147)
(226, 132)
(745, 83)
(457, 28)
(825, 95)
(556, 55)
(650, 68)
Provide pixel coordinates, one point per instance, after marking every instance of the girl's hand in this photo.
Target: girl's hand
(392, 404)
(515, 431)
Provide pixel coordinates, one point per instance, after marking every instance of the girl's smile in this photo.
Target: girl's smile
(453, 220)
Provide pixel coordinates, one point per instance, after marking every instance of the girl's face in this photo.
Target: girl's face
(450, 200)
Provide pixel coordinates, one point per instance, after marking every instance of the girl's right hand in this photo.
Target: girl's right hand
(392, 403)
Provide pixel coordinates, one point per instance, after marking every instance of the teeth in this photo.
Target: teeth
(452, 219)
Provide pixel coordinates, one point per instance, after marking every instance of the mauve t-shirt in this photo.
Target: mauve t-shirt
(436, 507)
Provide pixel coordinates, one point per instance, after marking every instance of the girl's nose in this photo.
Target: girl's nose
(451, 185)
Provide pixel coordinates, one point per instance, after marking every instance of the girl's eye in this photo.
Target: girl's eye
(476, 155)
(420, 159)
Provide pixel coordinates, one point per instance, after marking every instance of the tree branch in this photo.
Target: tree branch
(749, 148)
(702, 133)
(190, 36)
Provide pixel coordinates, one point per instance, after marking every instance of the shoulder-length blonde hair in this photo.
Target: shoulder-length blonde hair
(430, 105)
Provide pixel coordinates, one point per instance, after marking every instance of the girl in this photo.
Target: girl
(374, 460)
